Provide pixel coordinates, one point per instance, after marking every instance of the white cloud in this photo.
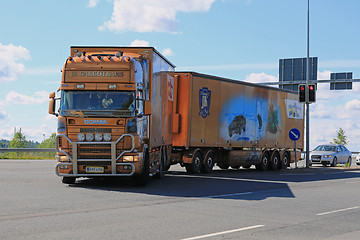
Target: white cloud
(139, 43)
(149, 16)
(18, 98)
(3, 116)
(167, 52)
(10, 67)
(92, 3)
(260, 78)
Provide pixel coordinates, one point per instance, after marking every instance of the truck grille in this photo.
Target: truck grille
(94, 151)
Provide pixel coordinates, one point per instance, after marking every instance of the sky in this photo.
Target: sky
(237, 39)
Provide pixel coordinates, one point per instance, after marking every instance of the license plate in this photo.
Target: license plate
(94, 169)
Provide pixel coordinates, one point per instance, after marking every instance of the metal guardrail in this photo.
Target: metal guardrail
(27, 150)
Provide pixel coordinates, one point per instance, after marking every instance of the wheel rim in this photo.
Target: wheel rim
(209, 161)
(197, 161)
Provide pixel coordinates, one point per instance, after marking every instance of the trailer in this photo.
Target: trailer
(230, 123)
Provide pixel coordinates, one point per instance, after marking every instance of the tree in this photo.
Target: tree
(48, 143)
(341, 138)
(18, 141)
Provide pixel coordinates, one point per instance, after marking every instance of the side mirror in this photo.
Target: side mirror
(52, 104)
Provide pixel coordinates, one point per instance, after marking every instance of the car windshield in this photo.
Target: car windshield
(96, 103)
(325, 148)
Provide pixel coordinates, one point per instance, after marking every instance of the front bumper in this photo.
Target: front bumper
(320, 160)
(74, 161)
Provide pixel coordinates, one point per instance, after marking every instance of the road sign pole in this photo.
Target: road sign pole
(295, 155)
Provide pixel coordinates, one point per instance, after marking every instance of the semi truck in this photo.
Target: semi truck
(125, 111)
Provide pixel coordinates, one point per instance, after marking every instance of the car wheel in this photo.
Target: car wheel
(349, 161)
(334, 163)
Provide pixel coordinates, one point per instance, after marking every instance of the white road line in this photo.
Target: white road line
(226, 178)
(336, 211)
(229, 195)
(224, 232)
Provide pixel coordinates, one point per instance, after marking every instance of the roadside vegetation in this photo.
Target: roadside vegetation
(19, 141)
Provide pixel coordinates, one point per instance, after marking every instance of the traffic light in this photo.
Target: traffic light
(312, 93)
(302, 92)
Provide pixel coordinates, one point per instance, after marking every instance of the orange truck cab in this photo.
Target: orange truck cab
(104, 113)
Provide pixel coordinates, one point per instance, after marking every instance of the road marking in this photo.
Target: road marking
(224, 232)
(229, 195)
(336, 211)
(226, 178)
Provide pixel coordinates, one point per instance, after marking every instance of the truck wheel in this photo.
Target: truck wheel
(285, 160)
(235, 166)
(246, 166)
(275, 161)
(223, 166)
(197, 160)
(142, 178)
(68, 180)
(264, 164)
(208, 162)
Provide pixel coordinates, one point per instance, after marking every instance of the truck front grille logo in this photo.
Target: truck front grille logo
(95, 122)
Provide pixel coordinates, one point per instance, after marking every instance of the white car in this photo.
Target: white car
(331, 154)
(357, 159)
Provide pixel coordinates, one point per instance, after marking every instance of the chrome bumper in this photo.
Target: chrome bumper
(74, 159)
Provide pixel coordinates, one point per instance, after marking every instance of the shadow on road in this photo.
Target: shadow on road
(245, 184)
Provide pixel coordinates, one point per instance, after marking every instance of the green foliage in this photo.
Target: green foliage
(341, 138)
(19, 141)
(48, 143)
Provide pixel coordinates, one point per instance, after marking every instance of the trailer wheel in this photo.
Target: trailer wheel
(195, 165)
(286, 160)
(264, 164)
(68, 180)
(223, 166)
(275, 161)
(142, 178)
(208, 162)
(235, 166)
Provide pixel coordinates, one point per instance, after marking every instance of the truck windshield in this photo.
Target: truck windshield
(97, 103)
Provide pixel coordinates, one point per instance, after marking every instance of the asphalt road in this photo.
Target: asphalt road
(317, 203)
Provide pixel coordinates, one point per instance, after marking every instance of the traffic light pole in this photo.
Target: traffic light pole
(307, 119)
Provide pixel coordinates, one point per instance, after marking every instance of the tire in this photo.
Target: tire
(286, 160)
(334, 163)
(235, 167)
(264, 164)
(246, 166)
(195, 165)
(349, 161)
(143, 178)
(68, 180)
(275, 161)
(223, 166)
(209, 162)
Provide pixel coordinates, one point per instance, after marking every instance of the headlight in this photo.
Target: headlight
(98, 137)
(327, 156)
(128, 158)
(89, 137)
(107, 137)
(81, 137)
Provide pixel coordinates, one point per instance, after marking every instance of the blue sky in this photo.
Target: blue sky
(238, 39)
